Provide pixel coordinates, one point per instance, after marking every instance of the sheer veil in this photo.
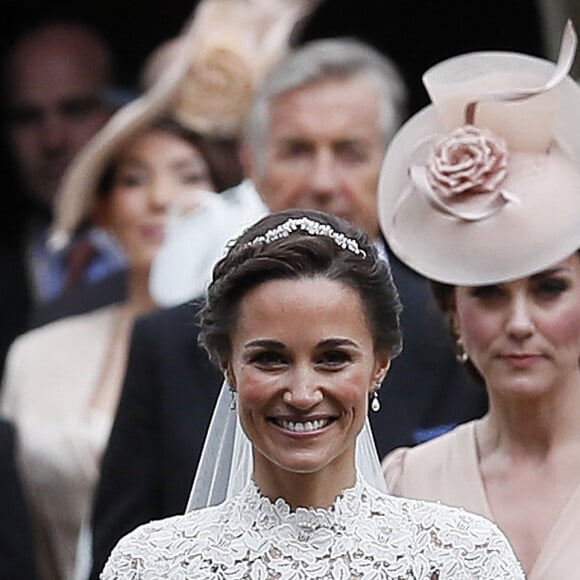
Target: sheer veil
(225, 465)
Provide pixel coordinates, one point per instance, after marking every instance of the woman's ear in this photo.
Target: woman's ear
(454, 323)
(382, 364)
(451, 313)
(229, 374)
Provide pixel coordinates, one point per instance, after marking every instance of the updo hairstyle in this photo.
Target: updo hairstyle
(254, 259)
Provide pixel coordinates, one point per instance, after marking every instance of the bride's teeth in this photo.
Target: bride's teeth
(303, 427)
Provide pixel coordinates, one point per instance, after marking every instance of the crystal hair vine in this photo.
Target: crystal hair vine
(311, 227)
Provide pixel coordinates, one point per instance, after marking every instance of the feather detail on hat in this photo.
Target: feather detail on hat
(205, 78)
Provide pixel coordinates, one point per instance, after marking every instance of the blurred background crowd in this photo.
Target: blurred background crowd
(414, 35)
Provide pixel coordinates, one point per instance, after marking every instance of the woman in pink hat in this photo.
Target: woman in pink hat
(480, 192)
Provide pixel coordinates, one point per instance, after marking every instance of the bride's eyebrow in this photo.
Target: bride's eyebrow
(276, 344)
(335, 342)
(264, 343)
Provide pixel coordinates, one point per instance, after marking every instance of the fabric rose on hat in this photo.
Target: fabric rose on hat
(468, 161)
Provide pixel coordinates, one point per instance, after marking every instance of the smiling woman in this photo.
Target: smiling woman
(303, 318)
(300, 352)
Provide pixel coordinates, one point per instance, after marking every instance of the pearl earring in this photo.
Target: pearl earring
(376, 402)
(460, 353)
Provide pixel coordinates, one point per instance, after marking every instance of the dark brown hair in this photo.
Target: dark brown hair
(296, 256)
(445, 298)
(220, 154)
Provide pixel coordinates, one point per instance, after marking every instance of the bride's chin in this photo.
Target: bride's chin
(297, 462)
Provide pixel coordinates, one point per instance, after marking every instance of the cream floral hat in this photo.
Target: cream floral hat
(205, 78)
(483, 185)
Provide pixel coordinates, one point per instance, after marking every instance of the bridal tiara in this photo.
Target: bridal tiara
(311, 227)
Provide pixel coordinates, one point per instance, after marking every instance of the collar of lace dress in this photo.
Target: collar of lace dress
(304, 524)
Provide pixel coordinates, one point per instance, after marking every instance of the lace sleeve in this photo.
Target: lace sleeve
(124, 561)
(141, 555)
(482, 551)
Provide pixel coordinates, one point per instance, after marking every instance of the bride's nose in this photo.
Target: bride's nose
(304, 390)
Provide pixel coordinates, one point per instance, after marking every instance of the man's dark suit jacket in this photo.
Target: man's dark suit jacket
(170, 388)
(14, 298)
(17, 555)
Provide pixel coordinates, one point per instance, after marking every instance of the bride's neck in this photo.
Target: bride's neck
(311, 490)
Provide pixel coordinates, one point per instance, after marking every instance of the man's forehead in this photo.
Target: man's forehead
(63, 64)
(334, 89)
(56, 82)
(347, 122)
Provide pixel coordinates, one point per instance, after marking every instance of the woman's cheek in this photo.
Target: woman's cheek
(475, 328)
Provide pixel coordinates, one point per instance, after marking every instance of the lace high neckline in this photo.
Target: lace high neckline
(305, 522)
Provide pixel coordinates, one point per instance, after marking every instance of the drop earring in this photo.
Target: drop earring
(233, 403)
(376, 402)
(460, 353)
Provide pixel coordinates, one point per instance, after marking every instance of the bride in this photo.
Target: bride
(303, 319)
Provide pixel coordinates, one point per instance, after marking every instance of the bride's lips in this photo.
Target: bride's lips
(303, 426)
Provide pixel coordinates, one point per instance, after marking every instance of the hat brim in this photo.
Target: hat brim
(81, 180)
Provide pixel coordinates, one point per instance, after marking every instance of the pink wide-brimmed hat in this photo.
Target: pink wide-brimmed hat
(483, 185)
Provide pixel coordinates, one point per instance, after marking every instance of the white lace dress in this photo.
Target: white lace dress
(365, 534)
